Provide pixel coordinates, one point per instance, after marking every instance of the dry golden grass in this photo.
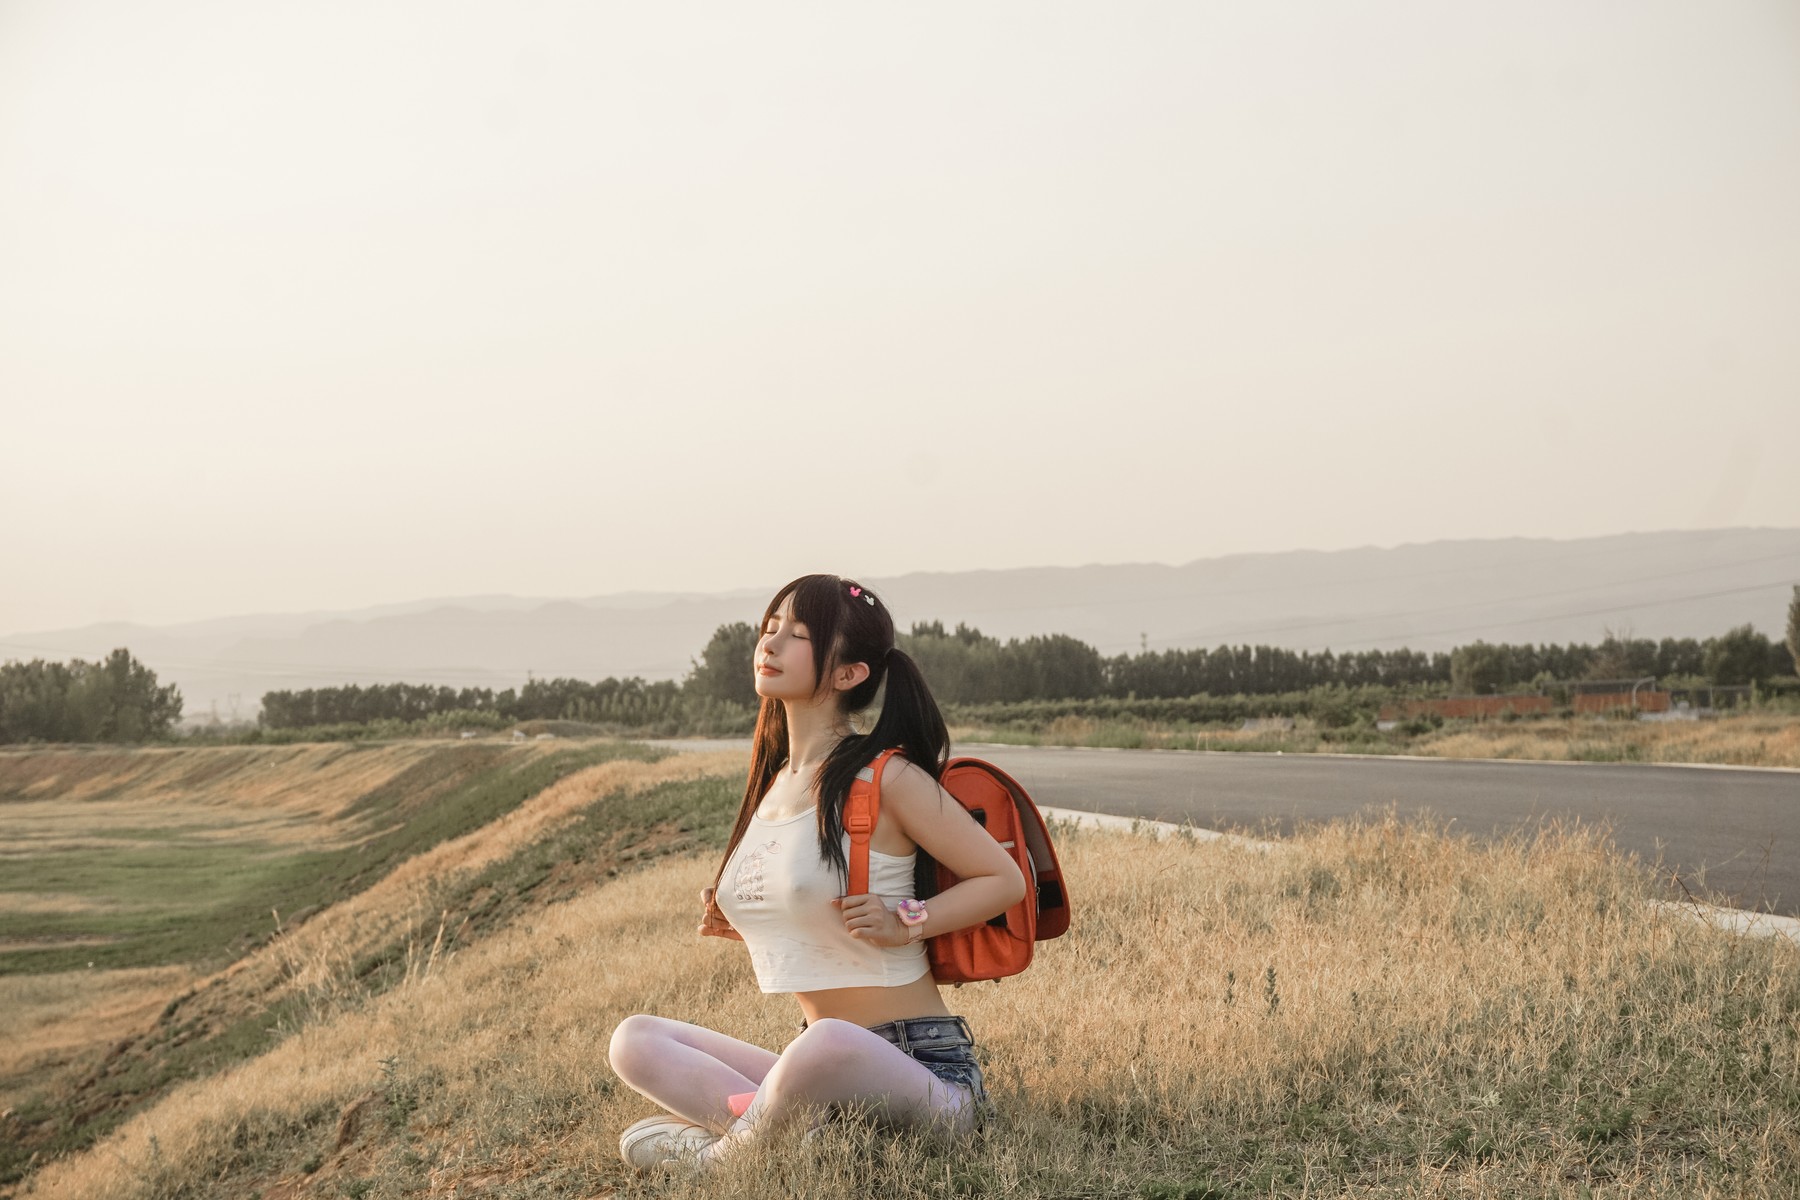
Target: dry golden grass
(1147, 735)
(48, 1020)
(1379, 1012)
(274, 795)
(10, 946)
(56, 1028)
(316, 958)
(26, 904)
(1749, 741)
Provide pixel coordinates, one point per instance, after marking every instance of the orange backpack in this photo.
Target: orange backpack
(1003, 945)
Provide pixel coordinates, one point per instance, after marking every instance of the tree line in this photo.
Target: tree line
(114, 700)
(119, 700)
(1738, 657)
(968, 667)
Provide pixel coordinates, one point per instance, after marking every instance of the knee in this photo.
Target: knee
(821, 1051)
(633, 1041)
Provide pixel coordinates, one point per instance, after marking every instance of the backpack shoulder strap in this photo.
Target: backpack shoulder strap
(861, 810)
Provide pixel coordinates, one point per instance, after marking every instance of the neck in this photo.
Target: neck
(813, 730)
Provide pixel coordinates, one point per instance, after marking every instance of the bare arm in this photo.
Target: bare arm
(988, 881)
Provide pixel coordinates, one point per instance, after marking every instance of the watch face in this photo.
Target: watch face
(912, 912)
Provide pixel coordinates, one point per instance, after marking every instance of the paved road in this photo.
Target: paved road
(1742, 827)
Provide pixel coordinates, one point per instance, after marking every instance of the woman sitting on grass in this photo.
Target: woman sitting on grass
(876, 1035)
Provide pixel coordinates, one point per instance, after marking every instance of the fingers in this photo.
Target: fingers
(859, 905)
(706, 898)
(866, 918)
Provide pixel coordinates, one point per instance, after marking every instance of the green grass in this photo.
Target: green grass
(187, 898)
(614, 834)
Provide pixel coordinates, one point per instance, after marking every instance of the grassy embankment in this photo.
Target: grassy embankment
(1371, 1009)
(1751, 740)
(145, 891)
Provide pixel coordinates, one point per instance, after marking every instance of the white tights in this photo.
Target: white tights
(690, 1071)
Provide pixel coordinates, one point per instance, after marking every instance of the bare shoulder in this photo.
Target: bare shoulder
(909, 786)
(934, 820)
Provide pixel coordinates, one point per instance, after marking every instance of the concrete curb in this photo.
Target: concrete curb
(1159, 830)
(1734, 920)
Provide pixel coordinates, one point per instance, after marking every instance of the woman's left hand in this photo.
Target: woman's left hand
(868, 919)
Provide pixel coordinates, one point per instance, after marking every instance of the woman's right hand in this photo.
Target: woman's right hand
(712, 918)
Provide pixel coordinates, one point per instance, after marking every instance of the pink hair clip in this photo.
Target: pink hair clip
(856, 591)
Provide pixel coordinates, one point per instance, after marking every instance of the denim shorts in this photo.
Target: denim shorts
(943, 1046)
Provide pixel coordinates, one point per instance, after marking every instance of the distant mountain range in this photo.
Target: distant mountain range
(1430, 596)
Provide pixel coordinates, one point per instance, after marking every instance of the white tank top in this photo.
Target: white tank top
(777, 893)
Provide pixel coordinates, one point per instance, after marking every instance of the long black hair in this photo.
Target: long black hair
(847, 624)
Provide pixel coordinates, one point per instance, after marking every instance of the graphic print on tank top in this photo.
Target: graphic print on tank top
(749, 882)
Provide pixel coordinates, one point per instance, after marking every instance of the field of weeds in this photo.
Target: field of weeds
(1748, 740)
(1366, 1010)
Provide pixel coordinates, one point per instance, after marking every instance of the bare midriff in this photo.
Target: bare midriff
(870, 1006)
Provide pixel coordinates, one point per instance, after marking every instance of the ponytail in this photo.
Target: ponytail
(910, 719)
(909, 722)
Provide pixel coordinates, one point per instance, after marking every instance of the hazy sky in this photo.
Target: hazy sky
(323, 305)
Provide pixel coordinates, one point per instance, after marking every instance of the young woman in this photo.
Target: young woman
(876, 1033)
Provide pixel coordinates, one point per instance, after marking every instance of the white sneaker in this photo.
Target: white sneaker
(655, 1141)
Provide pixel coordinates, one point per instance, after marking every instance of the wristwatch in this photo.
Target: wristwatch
(912, 914)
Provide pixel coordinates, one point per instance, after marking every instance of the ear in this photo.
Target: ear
(849, 675)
